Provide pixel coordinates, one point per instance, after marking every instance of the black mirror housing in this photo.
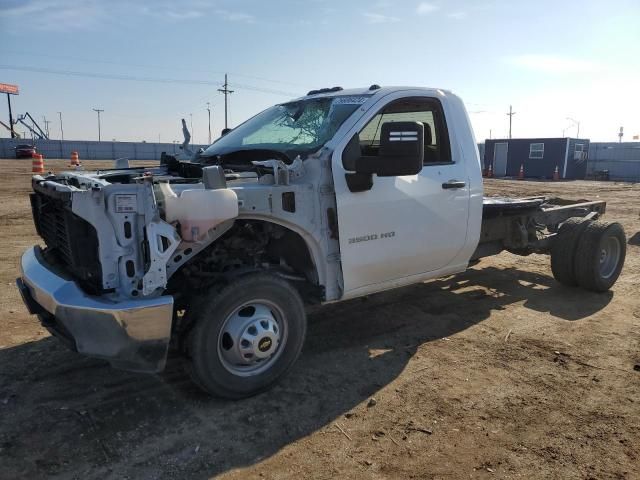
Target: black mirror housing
(401, 151)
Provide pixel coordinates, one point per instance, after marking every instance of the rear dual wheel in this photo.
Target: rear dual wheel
(564, 248)
(589, 254)
(600, 256)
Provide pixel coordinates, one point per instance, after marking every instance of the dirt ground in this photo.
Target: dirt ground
(497, 373)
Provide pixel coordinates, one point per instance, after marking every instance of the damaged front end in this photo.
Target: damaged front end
(116, 238)
(99, 282)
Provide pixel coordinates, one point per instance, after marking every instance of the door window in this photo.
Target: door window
(424, 110)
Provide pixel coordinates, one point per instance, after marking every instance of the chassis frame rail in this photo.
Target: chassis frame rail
(528, 225)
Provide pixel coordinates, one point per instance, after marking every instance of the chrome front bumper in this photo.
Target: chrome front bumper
(132, 334)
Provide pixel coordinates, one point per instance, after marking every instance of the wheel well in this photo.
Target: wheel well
(249, 246)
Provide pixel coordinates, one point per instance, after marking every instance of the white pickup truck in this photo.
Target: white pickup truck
(332, 196)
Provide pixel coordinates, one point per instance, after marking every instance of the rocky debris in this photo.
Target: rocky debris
(413, 427)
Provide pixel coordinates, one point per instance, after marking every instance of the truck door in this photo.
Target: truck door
(405, 225)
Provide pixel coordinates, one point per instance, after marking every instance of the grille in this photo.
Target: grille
(70, 240)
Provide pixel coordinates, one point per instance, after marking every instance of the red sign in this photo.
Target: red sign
(8, 88)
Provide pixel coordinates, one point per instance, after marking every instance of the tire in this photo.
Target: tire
(600, 256)
(246, 336)
(563, 250)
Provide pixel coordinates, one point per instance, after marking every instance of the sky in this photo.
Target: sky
(148, 64)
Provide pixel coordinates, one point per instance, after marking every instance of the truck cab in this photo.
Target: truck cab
(385, 216)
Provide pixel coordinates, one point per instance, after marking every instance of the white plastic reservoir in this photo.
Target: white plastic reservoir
(198, 210)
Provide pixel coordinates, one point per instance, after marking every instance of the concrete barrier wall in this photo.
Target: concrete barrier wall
(88, 150)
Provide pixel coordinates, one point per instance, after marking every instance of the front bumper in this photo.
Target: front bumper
(131, 334)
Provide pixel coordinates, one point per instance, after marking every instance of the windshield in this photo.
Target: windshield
(293, 128)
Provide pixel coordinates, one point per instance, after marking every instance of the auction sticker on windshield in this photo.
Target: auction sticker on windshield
(351, 100)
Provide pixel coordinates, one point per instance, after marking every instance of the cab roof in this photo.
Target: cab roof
(379, 91)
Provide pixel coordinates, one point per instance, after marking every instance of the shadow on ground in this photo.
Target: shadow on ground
(61, 414)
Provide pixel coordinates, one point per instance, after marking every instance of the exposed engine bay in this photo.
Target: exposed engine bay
(194, 222)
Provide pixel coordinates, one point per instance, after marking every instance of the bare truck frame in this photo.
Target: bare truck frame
(528, 225)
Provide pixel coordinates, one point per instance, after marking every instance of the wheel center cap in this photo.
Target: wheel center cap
(265, 344)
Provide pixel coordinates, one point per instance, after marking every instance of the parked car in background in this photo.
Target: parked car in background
(25, 151)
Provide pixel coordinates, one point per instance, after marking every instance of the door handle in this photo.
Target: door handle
(453, 184)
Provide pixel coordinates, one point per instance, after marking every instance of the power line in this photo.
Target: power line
(135, 78)
(142, 65)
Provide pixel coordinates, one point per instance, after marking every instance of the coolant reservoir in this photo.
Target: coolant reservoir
(199, 210)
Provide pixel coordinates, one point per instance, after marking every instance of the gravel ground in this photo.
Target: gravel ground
(496, 373)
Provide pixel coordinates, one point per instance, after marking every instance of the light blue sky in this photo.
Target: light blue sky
(550, 59)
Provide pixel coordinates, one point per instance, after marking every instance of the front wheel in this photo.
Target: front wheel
(246, 336)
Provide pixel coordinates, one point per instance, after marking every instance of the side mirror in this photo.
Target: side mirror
(401, 151)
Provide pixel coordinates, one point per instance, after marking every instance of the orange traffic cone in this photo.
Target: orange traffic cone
(37, 163)
(556, 174)
(75, 159)
(521, 172)
(490, 171)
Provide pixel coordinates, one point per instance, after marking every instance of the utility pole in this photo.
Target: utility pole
(13, 133)
(61, 130)
(209, 110)
(98, 111)
(46, 125)
(510, 114)
(191, 122)
(620, 134)
(227, 92)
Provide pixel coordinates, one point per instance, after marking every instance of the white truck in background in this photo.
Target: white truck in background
(332, 196)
